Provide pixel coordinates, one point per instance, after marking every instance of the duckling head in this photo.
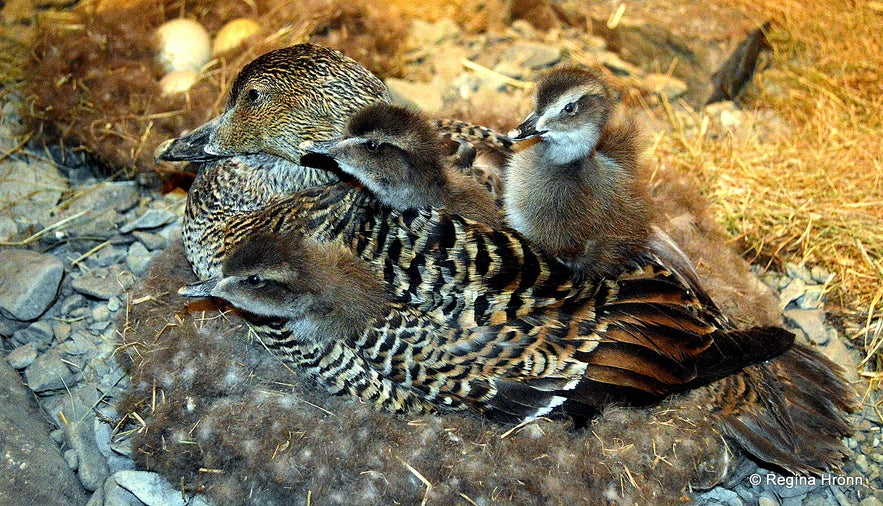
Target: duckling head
(320, 286)
(394, 152)
(572, 106)
(281, 99)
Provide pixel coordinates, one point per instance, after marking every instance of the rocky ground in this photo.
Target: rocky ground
(75, 244)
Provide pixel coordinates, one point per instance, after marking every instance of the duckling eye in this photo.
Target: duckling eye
(253, 95)
(570, 108)
(372, 145)
(254, 280)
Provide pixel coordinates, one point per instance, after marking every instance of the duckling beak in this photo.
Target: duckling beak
(199, 289)
(190, 147)
(527, 129)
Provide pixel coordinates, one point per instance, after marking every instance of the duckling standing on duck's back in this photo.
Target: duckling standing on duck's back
(576, 192)
(398, 155)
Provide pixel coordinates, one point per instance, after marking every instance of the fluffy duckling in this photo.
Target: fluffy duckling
(398, 155)
(576, 193)
(310, 302)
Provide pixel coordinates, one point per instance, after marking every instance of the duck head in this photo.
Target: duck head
(278, 101)
(572, 106)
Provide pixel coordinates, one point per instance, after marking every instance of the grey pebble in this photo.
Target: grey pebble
(719, 496)
(103, 283)
(100, 313)
(151, 241)
(107, 256)
(73, 461)
(153, 218)
(813, 297)
(138, 258)
(870, 501)
(811, 322)
(29, 282)
(72, 302)
(861, 462)
(39, 334)
(62, 330)
(114, 304)
(791, 292)
(115, 495)
(78, 344)
(794, 501)
(767, 499)
(93, 466)
(8, 228)
(798, 271)
(22, 357)
(48, 372)
(150, 488)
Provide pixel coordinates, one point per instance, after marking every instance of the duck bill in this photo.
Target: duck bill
(527, 129)
(190, 147)
(321, 147)
(199, 289)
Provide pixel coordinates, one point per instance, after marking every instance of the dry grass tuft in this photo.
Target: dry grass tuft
(807, 184)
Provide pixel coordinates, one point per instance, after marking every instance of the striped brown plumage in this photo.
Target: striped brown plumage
(478, 317)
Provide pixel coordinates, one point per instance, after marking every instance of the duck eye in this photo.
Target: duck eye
(372, 145)
(254, 280)
(253, 95)
(570, 108)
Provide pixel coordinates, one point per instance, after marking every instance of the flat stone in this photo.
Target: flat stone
(424, 96)
(92, 470)
(95, 211)
(138, 259)
(103, 283)
(811, 322)
(62, 330)
(767, 499)
(73, 461)
(151, 240)
(813, 297)
(113, 304)
(72, 302)
(48, 372)
(29, 190)
(32, 466)
(39, 334)
(153, 218)
(532, 55)
(29, 282)
(798, 271)
(22, 356)
(100, 313)
(115, 495)
(150, 488)
(791, 292)
(107, 256)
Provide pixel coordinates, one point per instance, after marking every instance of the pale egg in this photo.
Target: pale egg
(178, 81)
(234, 33)
(183, 44)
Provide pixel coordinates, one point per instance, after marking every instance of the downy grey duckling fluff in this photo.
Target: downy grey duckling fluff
(576, 192)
